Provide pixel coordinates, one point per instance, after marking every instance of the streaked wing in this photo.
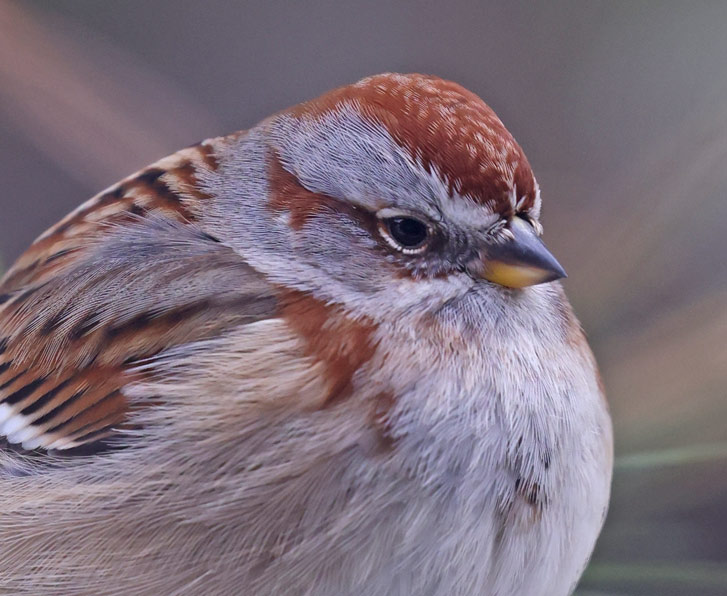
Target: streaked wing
(78, 312)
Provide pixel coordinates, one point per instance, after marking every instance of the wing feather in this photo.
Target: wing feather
(70, 337)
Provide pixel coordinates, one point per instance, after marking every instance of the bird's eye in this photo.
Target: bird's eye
(406, 234)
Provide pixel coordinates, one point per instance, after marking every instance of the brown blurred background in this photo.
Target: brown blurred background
(620, 106)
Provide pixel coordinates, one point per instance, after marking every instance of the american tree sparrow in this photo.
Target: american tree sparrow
(326, 357)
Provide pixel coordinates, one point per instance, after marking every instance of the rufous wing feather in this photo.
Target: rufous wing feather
(78, 312)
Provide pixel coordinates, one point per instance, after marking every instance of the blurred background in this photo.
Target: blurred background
(621, 108)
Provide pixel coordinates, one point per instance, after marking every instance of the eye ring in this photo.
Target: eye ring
(406, 234)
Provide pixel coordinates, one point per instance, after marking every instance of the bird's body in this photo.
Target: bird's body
(293, 402)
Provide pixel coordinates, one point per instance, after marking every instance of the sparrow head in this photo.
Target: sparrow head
(405, 178)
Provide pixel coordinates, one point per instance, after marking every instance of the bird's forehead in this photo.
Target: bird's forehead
(447, 130)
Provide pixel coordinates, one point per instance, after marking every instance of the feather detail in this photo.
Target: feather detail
(166, 188)
(448, 130)
(81, 307)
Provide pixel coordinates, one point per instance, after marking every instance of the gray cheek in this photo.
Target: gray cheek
(342, 250)
(239, 212)
(331, 254)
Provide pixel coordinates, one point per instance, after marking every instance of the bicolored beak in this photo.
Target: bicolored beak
(520, 261)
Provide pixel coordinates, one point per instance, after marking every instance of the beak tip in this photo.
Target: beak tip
(558, 272)
(552, 274)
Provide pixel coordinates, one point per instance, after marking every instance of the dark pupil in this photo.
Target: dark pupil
(408, 232)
